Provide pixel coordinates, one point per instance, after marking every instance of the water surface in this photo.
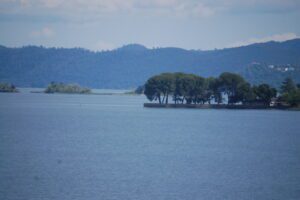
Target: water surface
(91, 147)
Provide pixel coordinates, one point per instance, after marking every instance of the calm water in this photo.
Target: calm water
(93, 147)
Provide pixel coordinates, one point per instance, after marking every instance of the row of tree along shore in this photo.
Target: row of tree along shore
(229, 88)
(54, 87)
(7, 87)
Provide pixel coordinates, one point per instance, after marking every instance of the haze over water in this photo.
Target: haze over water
(77, 147)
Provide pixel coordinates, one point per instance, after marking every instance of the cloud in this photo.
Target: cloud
(277, 38)
(193, 9)
(44, 32)
(203, 10)
(256, 6)
(98, 7)
(203, 6)
(72, 9)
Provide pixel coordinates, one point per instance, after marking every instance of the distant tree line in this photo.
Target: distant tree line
(7, 87)
(54, 87)
(194, 89)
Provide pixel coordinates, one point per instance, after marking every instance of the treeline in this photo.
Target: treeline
(7, 87)
(229, 87)
(54, 87)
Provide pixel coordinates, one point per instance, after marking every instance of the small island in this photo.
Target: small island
(229, 90)
(54, 87)
(7, 87)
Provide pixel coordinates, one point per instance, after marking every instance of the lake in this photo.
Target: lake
(94, 147)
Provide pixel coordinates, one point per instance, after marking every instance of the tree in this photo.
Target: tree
(245, 93)
(178, 90)
(66, 88)
(288, 85)
(160, 87)
(198, 92)
(290, 92)
(210, 90)
(140, 89)
(190, 88)
(167, 85)
(214, 86)
(264, 93)
(293, 98)
(152, 89)
(7, 87)
(187, 86)
(229, 84)
(184, 86)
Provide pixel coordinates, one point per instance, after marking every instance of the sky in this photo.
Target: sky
(107, 24)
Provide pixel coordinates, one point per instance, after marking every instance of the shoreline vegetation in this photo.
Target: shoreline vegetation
(62, 88)
(54, 87)
(229, 90)
(180, 90)
(8, 88)
(220, 106)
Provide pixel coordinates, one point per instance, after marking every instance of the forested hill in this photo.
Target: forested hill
(132, 65)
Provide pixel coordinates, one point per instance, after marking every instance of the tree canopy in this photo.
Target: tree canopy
(194, 89)
(265, 93)
(66, 88)
(7, 87)
(290, 92)
(288, 85)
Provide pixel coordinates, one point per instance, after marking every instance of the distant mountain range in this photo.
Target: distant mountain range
(131, 65)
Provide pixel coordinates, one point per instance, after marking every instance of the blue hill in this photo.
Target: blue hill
(131, 65)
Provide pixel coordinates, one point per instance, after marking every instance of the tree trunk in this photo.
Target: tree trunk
(164, 98)
(167, 98)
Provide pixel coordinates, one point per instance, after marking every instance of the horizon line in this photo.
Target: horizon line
(148, 48)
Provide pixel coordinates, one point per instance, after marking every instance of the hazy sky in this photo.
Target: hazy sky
(107, 24)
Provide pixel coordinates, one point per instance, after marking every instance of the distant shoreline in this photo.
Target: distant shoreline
(219, 106)
(91, 93)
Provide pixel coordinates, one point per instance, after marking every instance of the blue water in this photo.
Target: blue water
(94, 147)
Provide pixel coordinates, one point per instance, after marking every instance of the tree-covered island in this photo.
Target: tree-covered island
(54, 87)
(7, 87)
(229, 88)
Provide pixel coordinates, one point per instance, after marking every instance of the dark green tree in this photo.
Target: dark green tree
(245, 94)
(54, 87)
(229, 83)
(264, 93)
(290, 92)
(178, 90)
(190, 88)
(140, 89)
(216, 87)
(292, 98)
(288, 85)
(209, 89)
(7, 87)
(198, 93)
(160, 87)
(167, 85)
(152, 89)
(184, 85)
